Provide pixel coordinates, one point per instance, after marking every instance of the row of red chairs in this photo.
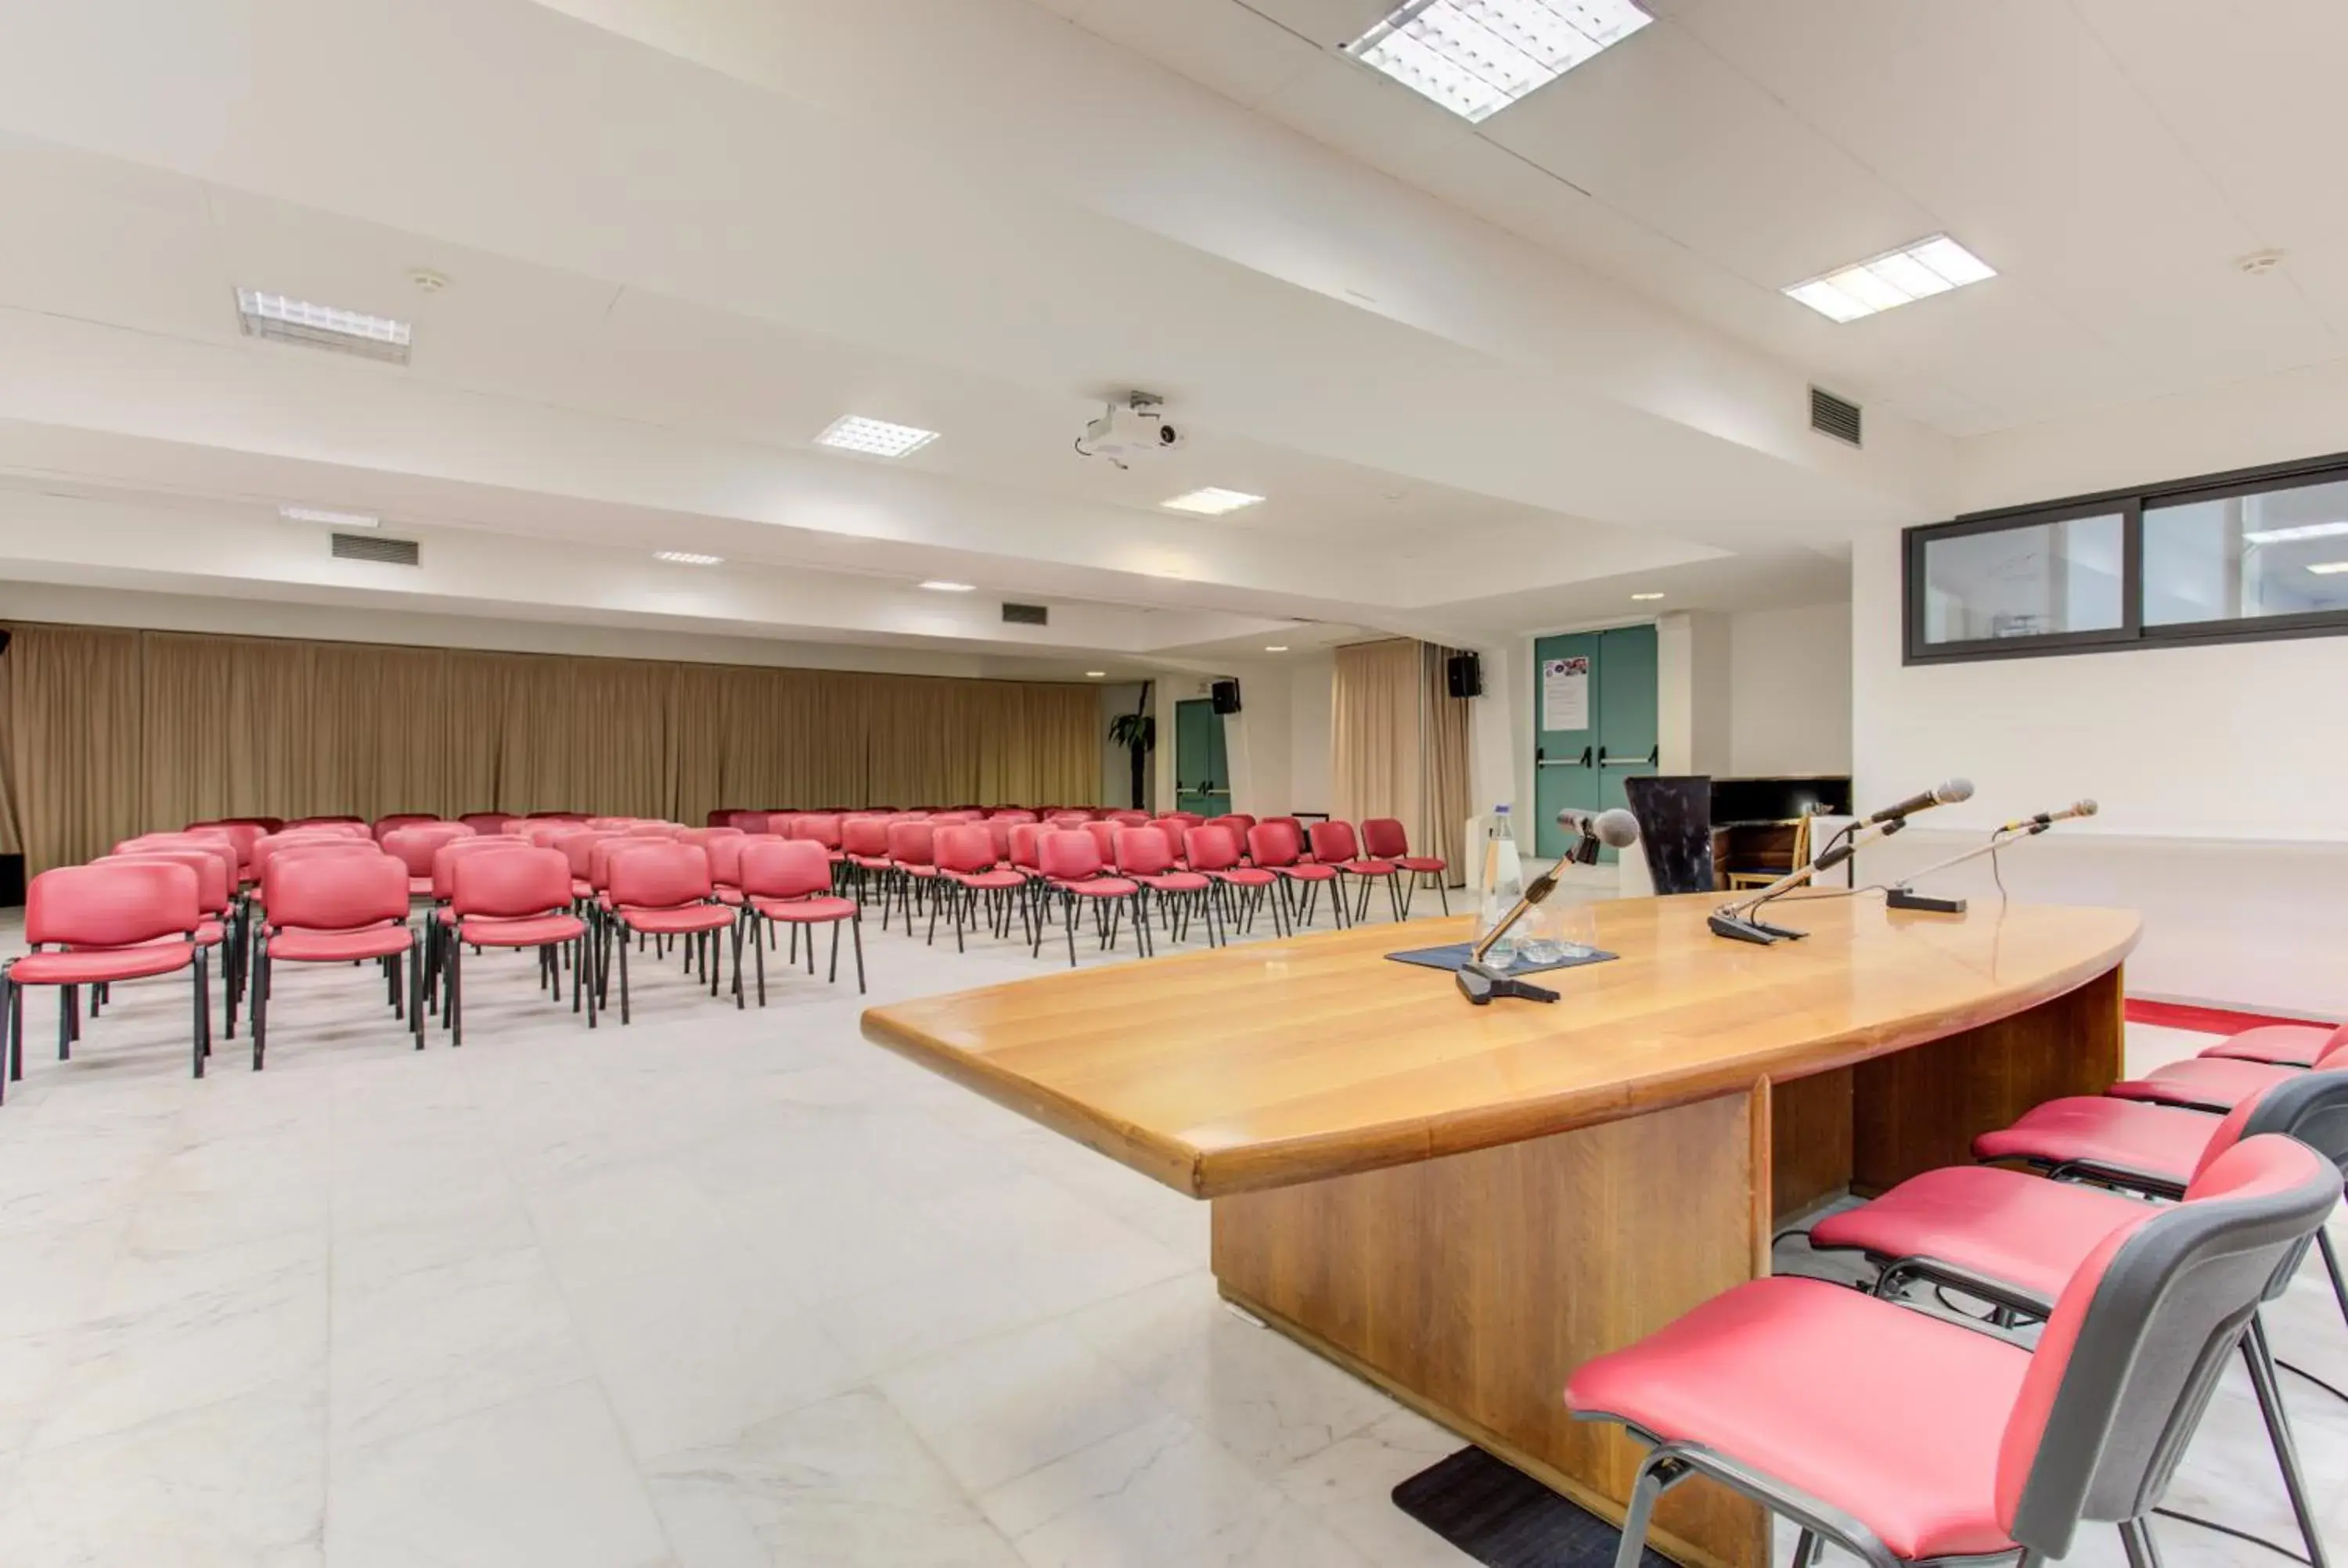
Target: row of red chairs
(2178, 1205)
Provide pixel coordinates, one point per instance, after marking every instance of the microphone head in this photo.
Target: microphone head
(1617, 829)
(2084, 808)
(1952, 791)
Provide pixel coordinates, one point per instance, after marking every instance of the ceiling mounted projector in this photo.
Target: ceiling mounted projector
(1134, 428)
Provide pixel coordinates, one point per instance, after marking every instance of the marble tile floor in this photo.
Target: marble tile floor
(719, 1290)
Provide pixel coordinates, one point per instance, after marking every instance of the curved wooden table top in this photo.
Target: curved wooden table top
(1272, 1063)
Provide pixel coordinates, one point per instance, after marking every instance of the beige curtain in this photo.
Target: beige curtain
(105, 734)
(1398, 744)
(1444, 805)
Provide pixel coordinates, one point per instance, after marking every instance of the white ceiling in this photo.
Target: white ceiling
(1492, 379)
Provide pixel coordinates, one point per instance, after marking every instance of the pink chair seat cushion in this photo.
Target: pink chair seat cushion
(581, 888)
(2206, 1080)
(1427, 863)
(1246, 876)
(1175, 882)
(297, 946)
(678, 921)
(2152, 1141)
(811, 911)
(727, 896)
(419, 887)
(1368, 867)
(872, 862)
(88, 966)
(520, 932)
(1308, 872)
(1883, 1412)
(1099, 886)
(2006, 1224)
(2286, 1044)
(989, 879)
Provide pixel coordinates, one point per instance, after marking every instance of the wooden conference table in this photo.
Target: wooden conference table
(1464, 1203)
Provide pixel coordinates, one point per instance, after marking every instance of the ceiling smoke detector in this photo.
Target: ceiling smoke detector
(1134, 427)
(427, 281)
(2259, 264)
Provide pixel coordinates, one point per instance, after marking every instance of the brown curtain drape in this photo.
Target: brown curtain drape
(1398, 744)
(105, 733)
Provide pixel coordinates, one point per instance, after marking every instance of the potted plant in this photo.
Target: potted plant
(1138, 733)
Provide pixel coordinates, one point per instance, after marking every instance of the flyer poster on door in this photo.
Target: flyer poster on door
(1565, 693)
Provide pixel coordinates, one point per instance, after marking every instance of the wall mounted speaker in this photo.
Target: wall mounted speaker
(1226, 696)
(1463, 675)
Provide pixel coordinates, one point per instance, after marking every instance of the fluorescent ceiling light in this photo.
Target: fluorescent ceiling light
(2326, 568)
(1475, 58)
(284, 320)
(336, 520)
(1275, 647)
(1095, 674)
(1896, 278)
(2288, 535)
(874, 437)
(1211, 501)
(687, 558)
(1646, 596)
(939, 585)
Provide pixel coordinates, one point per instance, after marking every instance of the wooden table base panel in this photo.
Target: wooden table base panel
(1473, 1286)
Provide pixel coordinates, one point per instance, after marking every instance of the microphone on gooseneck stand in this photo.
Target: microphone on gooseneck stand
(1617, 829)
(1902, 895)
(1734, 920)
(1949, 791)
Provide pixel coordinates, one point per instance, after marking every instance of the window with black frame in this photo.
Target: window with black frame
(2230, 557)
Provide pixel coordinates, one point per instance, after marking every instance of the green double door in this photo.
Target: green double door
(1202, 770)
(1594, 724)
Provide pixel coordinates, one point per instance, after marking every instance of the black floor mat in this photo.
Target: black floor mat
(1504, 1519)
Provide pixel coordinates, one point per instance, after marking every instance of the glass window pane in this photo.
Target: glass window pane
(2247, 556)
(2034, 580)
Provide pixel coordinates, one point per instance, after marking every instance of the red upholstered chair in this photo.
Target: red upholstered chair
(354, 825)
(1074, 817)
(1146, 856)
(484, 821)
(1104, 833)
(1240, 890)
(243, 831)
(1904, 1438)
(998, 834)
(1012, 814)
(331, 909)
(970, 868)
(2013, 1239)
(1128, 817)
(1304, 846)
(821, 827)
(94, 925)
(662, 889)
(414, 846)
(2284, 1044)
(214, 864)
(398, 819)
(705, 836)
(912, 865)
(668, 830)
(578, 846)
(1382, 839)
(518, 896)
(1238, 823)
(2218, 1083)
(864, 844)
(1274, 845)
(443, 919)
(1335, 846)
(1071, 864)
(788, 882)
(1175, 826)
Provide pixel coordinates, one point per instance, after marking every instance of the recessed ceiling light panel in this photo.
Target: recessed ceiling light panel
(334, 519)
(939, 585)
(1211, 501)
(1095, 674)
(1896, 278)
(2330, 568)
(1275, 647)
(874, 437)
(1475, 58)
(2290, 536)
(284, 320)
(687, 558)
(1646, 596)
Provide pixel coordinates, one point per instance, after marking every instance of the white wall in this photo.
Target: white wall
(1788, 708)
(2217, 770)
(1311, 712)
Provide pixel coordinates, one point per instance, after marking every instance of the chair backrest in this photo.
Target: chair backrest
(1382, 839)
(651, 830)
(357, 824)
(1674, 816)
(1128, 817)
(2130, 1358)
(244, 832)
(579, 817)
(817, 827)
(398, 819)
(516, 881)
(300, 845)
(111, 904)
(484, 821)
(1239, 822)
(214, 882)
(1333, 841)
(865, 836)
(414, 846)
(956, 818)
(726, 856)
(705, 836)
(1069, 854)
(1027, 842)
(1011, 814)
(1144, 851)
(965, 846)
(214, 846)
(785, 869)
(998, 834)
(335, 892)
(1210, 849)
(1072, 818)
(1273, 841)
(2312, 1107)
(1104, 833)
(445, 858)
(912, 843)
(650, 874)
(1174, 825)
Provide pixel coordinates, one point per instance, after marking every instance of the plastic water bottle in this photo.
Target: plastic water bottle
(1504, 884)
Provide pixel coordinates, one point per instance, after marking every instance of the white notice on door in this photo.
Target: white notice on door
(1565, 693)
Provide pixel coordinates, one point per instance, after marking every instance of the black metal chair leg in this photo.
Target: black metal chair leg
(1805, 1550)
(833, 978)
(623, 975)
(2135, 1540)
(260, 1003)
(2261, 1360)
(204, 1022)
(761, 955)
(2332, 1268)
(856, 936)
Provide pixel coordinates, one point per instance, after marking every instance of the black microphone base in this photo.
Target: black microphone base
(1480, 986)
(1737, 928)
(1900, 898)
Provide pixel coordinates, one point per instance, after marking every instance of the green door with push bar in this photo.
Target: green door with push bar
(1595, 724)
(1202, 772)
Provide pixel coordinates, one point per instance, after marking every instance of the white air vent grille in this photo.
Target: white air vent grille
(1027, 614)
(1835, 416)
(375, 548)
